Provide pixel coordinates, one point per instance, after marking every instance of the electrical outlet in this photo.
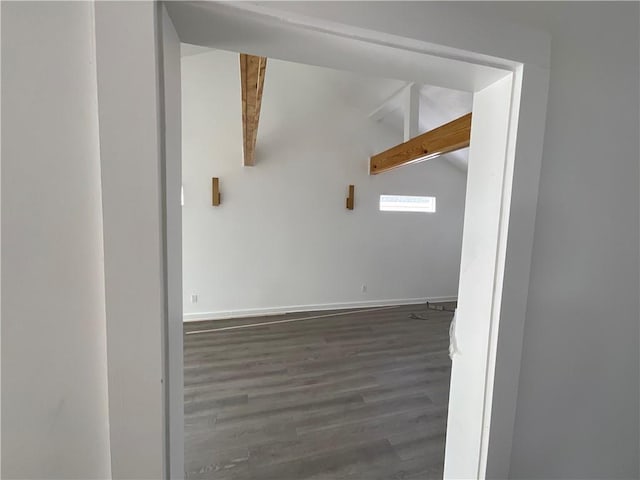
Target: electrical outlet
(364, 289)
(194, 298)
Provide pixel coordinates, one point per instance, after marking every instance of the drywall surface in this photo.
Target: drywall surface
(54, 362)
(482, 221)
(132, 197)
(282, 238)
(170, 91)
(428, 23)
(578, 407)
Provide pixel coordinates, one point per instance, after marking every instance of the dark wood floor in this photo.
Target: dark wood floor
(361, 396)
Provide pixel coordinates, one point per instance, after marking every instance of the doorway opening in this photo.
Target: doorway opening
(496, 244)
(312, 345)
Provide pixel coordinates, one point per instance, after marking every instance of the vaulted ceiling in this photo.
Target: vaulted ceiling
(437, 105)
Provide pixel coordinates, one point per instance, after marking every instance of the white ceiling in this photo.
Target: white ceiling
(438, 105)
(186, 49)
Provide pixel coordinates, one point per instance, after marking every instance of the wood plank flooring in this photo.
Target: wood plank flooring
(361, 396)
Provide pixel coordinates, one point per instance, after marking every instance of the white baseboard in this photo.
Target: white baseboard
(260, 312)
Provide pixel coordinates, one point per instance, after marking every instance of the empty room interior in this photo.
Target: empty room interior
(321, 259)
(308, 240)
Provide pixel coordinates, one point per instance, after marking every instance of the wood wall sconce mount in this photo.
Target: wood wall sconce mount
(351, 197)
(215, 191)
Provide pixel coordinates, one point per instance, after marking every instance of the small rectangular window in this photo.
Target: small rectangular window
(407, 203)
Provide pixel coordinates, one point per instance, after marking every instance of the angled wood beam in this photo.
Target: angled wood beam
(252, 70)
(444, 139)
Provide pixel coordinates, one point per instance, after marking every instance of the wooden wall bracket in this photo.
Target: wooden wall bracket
(351, 197)
(215, 191)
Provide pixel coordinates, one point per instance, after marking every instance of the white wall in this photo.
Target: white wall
(282, 238)
(578, 408)
(54, 363)
(133, 208)
(172, 154)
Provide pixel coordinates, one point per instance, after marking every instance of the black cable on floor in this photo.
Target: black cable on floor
(430, 306)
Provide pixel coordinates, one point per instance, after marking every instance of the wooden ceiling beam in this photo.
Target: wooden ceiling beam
(444, 139)
(252, 69)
